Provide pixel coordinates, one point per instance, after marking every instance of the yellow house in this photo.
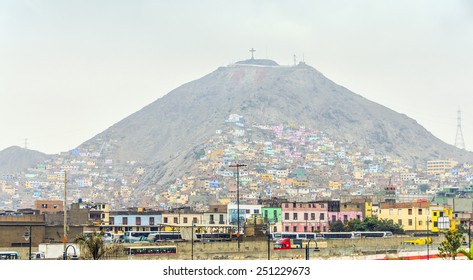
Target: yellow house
(266, 177)
(412, 216)
(297, 183)
(368, 209)
(334, 185)
(442, 219)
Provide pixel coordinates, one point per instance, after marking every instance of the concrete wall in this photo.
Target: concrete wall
(257, 249)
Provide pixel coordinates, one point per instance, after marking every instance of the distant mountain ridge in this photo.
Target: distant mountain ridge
(166, 133)
(15, 159)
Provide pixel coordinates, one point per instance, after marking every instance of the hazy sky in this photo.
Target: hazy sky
(71, 69)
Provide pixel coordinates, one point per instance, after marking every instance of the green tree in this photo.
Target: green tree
(93, 246)
(449, 247)
(469, 254)
(337, 226)
(373, 224)
(355, 225)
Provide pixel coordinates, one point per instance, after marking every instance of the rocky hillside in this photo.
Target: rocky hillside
(167, 132)
(15, 159)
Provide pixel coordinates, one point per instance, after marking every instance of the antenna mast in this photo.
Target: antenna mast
(459, 142)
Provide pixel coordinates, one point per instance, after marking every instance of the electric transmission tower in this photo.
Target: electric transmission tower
(459, 142)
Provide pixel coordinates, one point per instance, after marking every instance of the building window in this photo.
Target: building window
(305, 228)
(211, 219)
(194, 220)
(322, 217)
(256, 211)
(112, 221)
(399, 222)
(265, 213)
(220, 217)
(294, 216)
(247, 211)
(334, 218)
(151, 221)
(312, 228)
(312, 216)
(294, 205)
(420, 223)
(125, 220)
(176, 220)
(409, 211)
(419, 211)
(306, 216)
(294, 228)
(358, 217)
(409, 222)
(44, 206)
(103, 216)
(55, 206)
(185, 220)
(435, 214)
(165, 220)
(345, 218)
(138, 221)
(287, 228)
(286, 216)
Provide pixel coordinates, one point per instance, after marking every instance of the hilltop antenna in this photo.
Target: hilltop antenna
(252, 51)
(459, 142)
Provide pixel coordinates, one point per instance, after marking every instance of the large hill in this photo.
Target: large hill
(15, 159)
(167, 132)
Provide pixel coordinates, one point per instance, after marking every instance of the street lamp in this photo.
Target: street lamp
(316, 248)
(192, 244)
(427, 239)
(267, 232)
(74, 256)
(238, 200)
(27, 236)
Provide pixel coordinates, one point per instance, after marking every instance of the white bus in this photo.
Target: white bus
(136, 236)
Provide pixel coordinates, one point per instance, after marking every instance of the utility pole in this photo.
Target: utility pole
(238, 200)
(64, 239)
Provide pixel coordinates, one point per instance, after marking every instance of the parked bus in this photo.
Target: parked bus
(340, 235)
(151, 250)
(330, 235)
(9, 255)
(371, 234)
(164, 236)
(136, 236)
(215, 237)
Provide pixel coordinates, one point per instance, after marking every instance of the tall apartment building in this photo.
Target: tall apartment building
(437, 167)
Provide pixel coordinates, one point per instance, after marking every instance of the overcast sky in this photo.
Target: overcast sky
(71, 69)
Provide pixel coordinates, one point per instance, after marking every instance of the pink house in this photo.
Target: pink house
(304, 216)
